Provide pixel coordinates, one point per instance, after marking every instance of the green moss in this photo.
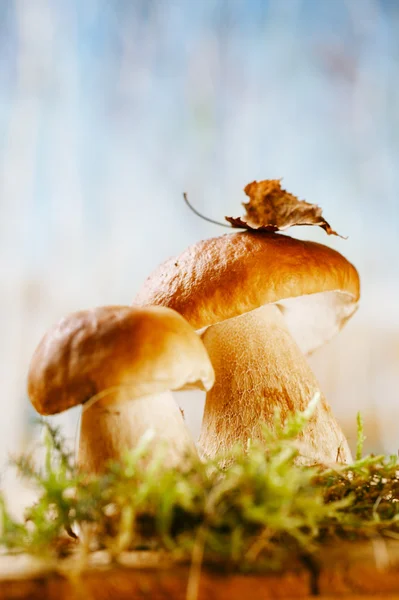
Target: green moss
(259, 511)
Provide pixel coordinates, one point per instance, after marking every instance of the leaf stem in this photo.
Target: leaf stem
(195, 211)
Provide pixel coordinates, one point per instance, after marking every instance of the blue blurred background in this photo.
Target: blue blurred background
(109, 110)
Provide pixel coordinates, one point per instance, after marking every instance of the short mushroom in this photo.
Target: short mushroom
(265, 301)
(123, 362)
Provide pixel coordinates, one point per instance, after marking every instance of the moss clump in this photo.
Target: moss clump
(260, 511)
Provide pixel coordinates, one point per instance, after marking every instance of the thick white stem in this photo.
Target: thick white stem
(259, 367)
(111, 426)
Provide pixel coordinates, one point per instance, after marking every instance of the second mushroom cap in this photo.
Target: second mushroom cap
(216, 279)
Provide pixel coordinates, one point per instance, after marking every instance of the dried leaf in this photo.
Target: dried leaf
(270, 208)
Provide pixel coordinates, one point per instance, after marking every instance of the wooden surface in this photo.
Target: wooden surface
(351, 571)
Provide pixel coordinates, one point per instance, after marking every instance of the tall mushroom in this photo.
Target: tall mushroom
(265, 301)
(126, 361)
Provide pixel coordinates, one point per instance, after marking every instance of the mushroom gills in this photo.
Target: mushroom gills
(105, 436)
(326, 311)
(259, 367)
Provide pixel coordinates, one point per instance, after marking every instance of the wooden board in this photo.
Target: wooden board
(351, 571)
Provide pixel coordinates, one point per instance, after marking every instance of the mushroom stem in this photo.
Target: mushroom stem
(259, 367)
(112, 425)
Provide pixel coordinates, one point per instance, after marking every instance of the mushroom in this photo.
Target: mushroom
(120, 363)
(265, 300)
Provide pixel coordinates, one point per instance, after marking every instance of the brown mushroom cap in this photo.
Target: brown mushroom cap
(220, 278)
(147, 350)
